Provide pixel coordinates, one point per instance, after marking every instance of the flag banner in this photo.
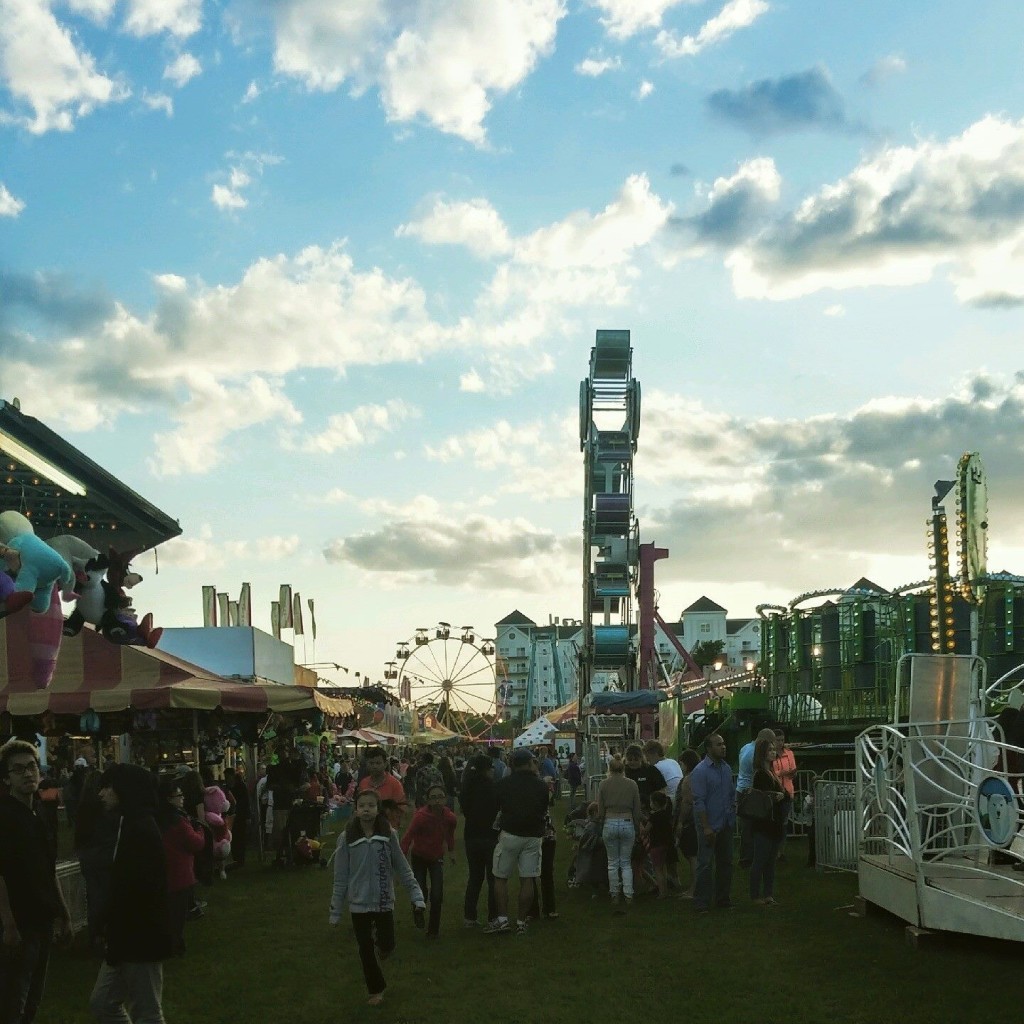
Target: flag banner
(232, 613)
(297, 615)
(209, 606)
(285, 604)
(275, 619)
(312, 617)
(245, 605)
(406, 689)
(222, 609)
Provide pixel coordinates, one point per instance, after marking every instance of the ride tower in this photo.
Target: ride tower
(609, 427)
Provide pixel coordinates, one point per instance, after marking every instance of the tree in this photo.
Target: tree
(707, 652)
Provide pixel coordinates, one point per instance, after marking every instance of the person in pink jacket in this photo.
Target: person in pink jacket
(432, 829)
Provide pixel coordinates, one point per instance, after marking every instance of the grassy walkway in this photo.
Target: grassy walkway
(264, 953)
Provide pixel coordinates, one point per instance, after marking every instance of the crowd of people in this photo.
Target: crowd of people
(144, 844)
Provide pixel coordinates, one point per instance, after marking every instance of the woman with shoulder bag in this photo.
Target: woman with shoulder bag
(768, 831)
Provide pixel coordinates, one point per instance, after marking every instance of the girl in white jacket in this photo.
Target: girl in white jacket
(366, 861)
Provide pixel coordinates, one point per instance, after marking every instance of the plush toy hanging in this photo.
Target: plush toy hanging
(35, 574)
(103, 603)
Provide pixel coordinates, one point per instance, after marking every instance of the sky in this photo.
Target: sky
(320, 280)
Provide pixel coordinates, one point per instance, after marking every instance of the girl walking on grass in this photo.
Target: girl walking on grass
(432, 829)
(366, 861)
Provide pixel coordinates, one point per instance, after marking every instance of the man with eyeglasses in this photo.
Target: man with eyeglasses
(31, 903)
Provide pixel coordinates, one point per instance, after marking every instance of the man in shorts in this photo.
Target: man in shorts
(522, 805)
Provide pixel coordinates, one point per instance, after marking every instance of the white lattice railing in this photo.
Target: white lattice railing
(942, 795)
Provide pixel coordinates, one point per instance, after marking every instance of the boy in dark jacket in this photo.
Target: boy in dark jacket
(136, 928)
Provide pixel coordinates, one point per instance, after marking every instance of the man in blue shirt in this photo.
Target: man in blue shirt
(744, 783)
(714, 813)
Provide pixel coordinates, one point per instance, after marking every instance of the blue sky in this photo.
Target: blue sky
(321, 279)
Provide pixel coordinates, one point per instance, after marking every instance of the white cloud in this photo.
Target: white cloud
(181, 18)
(593, 67)
(182, 69)
(625, 18)
(192, 354)
(202, 550)
(736, 14)
(441, 61)
(471, 382)
(362, 426)
(900, 216)
(473, 223)
(45, 71)
(835, 310)
(606, 239)
(645, 89)
(423, 542)
(885, 68)
(251, 93)
(158, 101)
(96, 10)
(225, 198)
(240, 176)
(211, 413)
(10, 205)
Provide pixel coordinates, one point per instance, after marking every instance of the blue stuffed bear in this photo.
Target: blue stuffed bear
(37, 567)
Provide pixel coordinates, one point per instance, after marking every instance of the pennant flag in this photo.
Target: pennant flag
(245, 605)
(312, 618)
(209, 606)
(285, 603)
(297, 615)
(275, 619)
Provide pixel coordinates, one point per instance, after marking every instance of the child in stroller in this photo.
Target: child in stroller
(589, 864)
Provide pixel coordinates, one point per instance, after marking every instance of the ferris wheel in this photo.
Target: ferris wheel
(449, 674)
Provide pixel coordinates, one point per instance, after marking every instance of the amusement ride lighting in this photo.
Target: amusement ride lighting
(35, 462)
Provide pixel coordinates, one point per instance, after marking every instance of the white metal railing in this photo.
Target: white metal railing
(72, 885)
(939, 795)
(835, 820)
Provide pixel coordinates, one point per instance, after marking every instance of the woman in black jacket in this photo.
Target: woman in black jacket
(480, 807)
(768, 832)
(136, 926)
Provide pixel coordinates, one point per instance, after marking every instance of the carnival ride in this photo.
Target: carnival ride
(615, 564)
(448, 674)
(609, 410)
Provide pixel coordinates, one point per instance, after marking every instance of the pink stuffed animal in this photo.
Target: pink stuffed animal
(217, 805)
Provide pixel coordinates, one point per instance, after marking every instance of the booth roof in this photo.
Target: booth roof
(93, 673)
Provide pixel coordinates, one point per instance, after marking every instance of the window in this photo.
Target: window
(511, 634)
(705, 627)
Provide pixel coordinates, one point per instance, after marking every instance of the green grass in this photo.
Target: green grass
(264, 953)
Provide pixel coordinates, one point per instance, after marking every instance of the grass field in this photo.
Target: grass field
(265, 953)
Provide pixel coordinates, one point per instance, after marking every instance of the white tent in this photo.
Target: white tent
(535, 733)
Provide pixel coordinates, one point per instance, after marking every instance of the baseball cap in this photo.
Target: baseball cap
(80, 762)
(522, 755)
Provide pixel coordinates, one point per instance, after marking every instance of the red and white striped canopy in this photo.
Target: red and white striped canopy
(94, 673)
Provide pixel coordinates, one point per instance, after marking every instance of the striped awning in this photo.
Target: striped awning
(93, 673)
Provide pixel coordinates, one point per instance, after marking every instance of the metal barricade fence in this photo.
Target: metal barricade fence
(834, 816)
(72, 885)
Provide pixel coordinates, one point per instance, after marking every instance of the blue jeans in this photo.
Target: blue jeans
(619, 835)
(22, 975)
(714, 868)
(762, 870)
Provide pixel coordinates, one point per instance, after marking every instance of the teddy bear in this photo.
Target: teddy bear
(104, 604)
(35, 565)
(216, 805)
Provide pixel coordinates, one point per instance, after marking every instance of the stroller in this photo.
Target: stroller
(589, 865)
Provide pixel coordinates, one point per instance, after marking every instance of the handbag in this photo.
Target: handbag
(757, 805)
